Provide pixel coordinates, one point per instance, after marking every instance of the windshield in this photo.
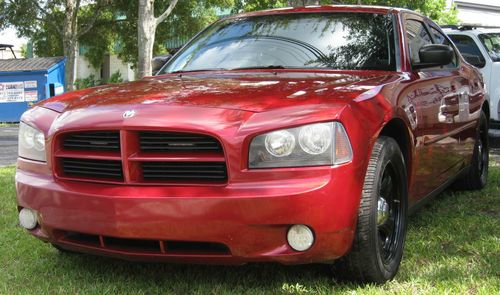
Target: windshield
(348, 41)
(492, 44)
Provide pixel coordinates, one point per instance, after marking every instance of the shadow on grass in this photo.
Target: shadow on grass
(185, 279)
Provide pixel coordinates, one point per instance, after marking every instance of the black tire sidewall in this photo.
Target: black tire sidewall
(390, 154)
(478, 179)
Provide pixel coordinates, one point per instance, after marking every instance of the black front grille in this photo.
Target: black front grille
(93, 141)
(184, 171)
(94, 169)
(142, 245)
(152, 141)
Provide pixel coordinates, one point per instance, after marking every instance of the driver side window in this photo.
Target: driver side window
(417, 36)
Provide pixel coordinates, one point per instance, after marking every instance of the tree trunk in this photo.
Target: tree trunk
(70, 41)
(146, 29)
(70, 48)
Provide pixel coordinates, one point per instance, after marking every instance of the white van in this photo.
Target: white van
(481, 48)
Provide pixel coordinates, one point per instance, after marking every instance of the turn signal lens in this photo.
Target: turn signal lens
(343, 151)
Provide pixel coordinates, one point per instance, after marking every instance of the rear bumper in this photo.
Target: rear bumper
(251, 220)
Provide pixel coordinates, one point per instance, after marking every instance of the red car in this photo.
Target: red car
(295, 135)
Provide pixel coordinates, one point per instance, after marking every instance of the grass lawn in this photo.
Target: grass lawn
(453, 247)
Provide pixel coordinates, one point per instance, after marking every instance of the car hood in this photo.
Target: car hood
(254, 92)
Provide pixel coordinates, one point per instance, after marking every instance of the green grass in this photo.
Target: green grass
(453, 247)
(3, 124)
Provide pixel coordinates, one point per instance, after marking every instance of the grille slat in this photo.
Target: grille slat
(173, 141)
(183, 171)
(92, 168)
(104, 163)
(98, 169)
(92, 141)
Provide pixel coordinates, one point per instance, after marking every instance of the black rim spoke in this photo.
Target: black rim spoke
(386, 187)
(388, 228)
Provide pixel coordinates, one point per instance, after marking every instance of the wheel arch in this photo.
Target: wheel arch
(398, 130)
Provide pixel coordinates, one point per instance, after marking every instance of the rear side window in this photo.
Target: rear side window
(417, 36)
(468, 48)
(441, 39)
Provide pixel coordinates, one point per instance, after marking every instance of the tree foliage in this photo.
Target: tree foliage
(53, 25)
(115, 29)
(434, 9)
(187, 18)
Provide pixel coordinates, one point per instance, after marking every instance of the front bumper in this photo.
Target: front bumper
(250, 219)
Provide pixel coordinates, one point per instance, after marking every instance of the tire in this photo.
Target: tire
(477, 176)
(379, 239)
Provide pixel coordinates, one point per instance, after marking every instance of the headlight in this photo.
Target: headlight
(308, 145)
(280, 143)
(31, 143)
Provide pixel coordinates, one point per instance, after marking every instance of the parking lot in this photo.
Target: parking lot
(8, 145)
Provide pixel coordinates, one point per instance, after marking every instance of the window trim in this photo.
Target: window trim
(455, 50)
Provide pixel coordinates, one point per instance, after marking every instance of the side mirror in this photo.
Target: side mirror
(158, 62)
(474, 60)
(434, 55)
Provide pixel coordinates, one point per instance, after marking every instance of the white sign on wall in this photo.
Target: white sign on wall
(30, 84)
(30, 95)
(13, 92)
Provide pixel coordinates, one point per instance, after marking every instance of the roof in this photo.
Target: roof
(29, 64)
(323, 8)
(474, 32)
(470, 28)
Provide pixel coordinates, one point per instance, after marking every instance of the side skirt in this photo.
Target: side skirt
(437, 191)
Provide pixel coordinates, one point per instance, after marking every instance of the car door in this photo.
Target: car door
(434, 95)
(469, 100)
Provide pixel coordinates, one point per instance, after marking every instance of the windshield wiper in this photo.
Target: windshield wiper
(198, 70)
(224, 69)
(260, 67)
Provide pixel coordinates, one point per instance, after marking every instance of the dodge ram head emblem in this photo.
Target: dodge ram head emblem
(129, 114)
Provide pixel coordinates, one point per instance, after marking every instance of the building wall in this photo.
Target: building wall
(9, 36)
(116, 64)
(84, 69)
(7, 54)
(478, 12)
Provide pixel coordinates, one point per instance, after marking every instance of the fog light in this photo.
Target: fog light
(300, 237)
(27, 218)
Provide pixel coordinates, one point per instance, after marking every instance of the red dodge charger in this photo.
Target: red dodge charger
(296, 135)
